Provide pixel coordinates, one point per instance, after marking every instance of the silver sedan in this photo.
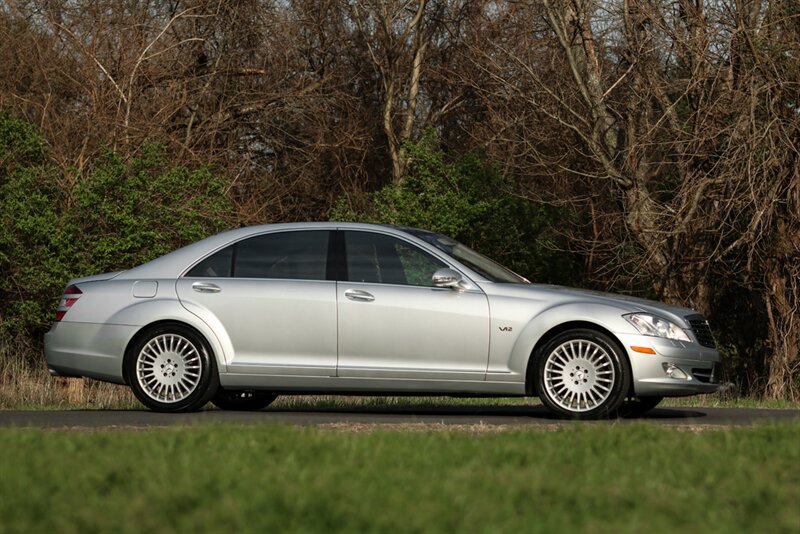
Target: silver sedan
(339, 308)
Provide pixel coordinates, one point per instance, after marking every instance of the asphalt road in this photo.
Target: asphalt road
(449, 415)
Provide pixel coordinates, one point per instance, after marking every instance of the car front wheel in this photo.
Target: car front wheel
(171, 369)
(582, 374)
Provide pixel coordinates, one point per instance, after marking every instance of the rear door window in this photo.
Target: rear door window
(298, 255)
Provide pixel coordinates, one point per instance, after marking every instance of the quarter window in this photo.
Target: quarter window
(218, 265)
(382, 259)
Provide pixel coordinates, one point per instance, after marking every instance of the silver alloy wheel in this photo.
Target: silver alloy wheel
(579, 375)
(168, 368)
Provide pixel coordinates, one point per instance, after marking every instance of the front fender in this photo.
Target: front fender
(608, 317)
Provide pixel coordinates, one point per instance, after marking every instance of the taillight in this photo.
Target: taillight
(71, 295)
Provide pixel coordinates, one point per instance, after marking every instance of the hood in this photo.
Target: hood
(625, 303)
(645, 304)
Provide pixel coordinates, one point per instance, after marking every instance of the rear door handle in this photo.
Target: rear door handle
(358, 295)
(206, 287)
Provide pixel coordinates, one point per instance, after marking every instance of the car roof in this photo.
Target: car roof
(173, 264)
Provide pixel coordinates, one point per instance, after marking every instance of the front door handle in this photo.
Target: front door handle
(358, 295)
(206, 287)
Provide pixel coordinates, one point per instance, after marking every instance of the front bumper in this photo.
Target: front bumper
(677, 369)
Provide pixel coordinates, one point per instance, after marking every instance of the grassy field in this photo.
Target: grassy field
(615, 478)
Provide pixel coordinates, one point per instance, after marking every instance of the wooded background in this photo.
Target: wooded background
(641, 146)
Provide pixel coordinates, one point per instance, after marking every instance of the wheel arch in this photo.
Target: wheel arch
(144, 330)
(530, 378)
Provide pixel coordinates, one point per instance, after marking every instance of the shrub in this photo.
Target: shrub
(470, 200)
(20, 144)
(121, 213)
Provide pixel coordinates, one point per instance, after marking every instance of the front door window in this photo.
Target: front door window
(382, 259)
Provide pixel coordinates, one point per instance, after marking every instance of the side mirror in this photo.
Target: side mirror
(447, 278)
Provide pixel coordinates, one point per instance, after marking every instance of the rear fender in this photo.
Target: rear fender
(143, 313)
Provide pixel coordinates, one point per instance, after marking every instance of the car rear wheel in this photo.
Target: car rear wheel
(172, 369)
(582, 374)
(243, 400)
(638, 406)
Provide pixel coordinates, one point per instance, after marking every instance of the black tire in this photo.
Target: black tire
(242, 400)
(638, 406)
(582, 374)
(172, 360)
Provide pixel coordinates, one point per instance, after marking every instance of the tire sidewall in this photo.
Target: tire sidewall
(609, 408)
(209, 378)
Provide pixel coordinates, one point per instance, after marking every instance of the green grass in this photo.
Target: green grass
(585, 478)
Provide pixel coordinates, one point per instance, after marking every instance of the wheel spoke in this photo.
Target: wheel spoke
(579, 375)
(169, 368)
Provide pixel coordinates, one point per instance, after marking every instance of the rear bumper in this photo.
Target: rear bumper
(87, 349)
(677, 369)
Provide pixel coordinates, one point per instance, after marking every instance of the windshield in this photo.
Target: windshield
(476, 261)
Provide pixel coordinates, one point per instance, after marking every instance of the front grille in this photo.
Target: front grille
(702, 331)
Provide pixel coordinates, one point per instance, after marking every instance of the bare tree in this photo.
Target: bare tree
(407, 44)
(396, 34)
(685, 124)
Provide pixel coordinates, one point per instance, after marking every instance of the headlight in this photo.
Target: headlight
(650, 325)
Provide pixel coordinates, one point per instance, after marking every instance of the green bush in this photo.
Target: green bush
(119, 214)
(136, 211)
(20, 144)
(470, 200)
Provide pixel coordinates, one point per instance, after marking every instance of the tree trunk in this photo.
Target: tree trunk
(782, 297)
